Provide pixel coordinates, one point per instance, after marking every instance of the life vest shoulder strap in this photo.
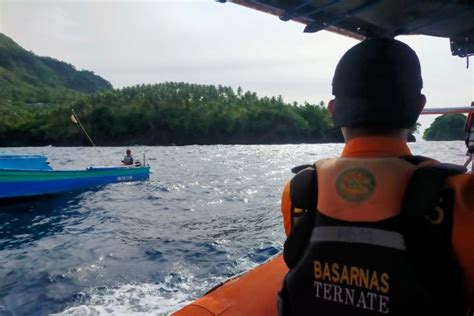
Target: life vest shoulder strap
(303, 191)
(427, 224)
(417, 159)
(426, 187)
(304, 197)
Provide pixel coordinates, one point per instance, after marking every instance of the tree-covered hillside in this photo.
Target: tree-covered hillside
(446, 127)
(32, 87)
(27, 79)
(175, 113)
(38, 93)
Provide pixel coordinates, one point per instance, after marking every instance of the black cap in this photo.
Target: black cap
(377, 83)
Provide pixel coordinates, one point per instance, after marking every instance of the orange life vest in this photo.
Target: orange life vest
(375, 241)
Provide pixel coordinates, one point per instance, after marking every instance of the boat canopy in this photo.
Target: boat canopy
(24, 162)
(375, 18)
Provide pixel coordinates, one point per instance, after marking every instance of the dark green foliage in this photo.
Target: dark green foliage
(38, 93)
(25, 71)
(6, 42)
(168, 113)
(181, 114)
(446, 127)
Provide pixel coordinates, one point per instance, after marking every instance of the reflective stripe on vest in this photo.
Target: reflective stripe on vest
(360, 235)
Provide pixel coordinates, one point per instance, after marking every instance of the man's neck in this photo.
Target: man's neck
(375, 147)
(351, 133)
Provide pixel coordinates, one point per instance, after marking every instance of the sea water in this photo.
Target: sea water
(148, 248)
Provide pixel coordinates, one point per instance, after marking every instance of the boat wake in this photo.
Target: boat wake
(133, 299)
(146, 298)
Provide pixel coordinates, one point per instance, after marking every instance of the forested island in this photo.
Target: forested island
(446, 127)
(170, 113)
(37, 95)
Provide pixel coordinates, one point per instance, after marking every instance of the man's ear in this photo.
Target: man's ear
(421, 103)
(331, 106)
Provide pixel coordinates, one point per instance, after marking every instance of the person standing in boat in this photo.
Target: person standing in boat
(378, 231)
(128, 159)
(469, 128)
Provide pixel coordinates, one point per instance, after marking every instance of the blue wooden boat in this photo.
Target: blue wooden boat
(30, 175)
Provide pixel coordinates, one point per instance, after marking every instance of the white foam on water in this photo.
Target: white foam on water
(131, 299)
(143, 298)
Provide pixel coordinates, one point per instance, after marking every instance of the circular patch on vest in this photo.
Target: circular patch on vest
(355, 185)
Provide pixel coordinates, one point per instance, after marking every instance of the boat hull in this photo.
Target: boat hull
(25, 183)
(252, 293)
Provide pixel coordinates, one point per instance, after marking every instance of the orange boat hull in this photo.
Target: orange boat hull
(252, 293)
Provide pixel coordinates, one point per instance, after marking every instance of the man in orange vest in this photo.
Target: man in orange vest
(378, 231)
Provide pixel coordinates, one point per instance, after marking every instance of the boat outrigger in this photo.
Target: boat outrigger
(255, 292)
(30, 175)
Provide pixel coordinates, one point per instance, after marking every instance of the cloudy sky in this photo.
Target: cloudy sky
(202, 41)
